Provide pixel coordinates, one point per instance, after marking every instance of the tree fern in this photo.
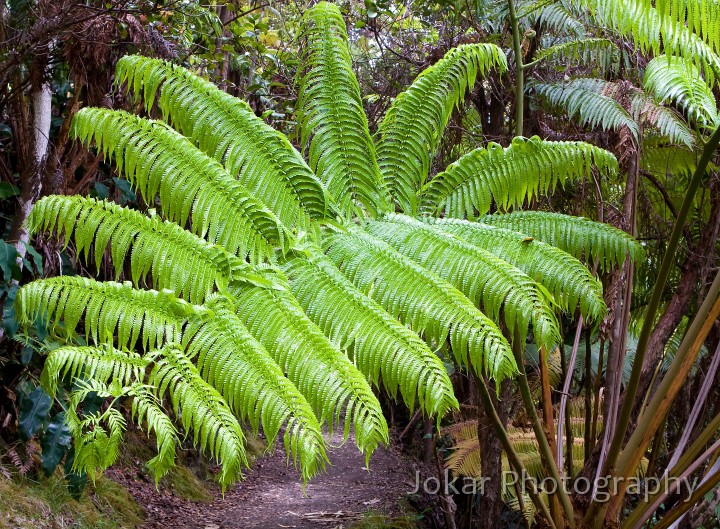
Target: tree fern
(413, 126)
(587, 51)
(223, 210)
(578, 236)
(175, 258)
(509, 176)
(322, 373)
(384, 350)
(201, 409)
(108, 309)
(331, 114)
(422, 300)
(667, 121)
(700, 16)
(569, 282)
(231, 359)
(584, 101)
(226, 128)
(678, 80)
(488, 281)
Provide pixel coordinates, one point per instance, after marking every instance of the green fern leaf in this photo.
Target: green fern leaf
(383, 349)
(231, 359)
(175, 258)
(422, 300)
(578, 236)
(509, 176)
(492, 284)
(201, 409)
(108, 309)
(413, 126)
(567, 279)
(224, 127)
(331, 113)
(677, 80)
(147, 152)
(303, 352)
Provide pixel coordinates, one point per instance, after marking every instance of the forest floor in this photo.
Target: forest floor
(271, 495)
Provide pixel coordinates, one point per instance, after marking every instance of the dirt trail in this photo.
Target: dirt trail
(271, 494)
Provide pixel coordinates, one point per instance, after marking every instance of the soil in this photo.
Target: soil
(271, 494)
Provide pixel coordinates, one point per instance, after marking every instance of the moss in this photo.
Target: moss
(47, 504)
(187, 485)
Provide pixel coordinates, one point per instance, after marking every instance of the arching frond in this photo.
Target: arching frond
(677, 80)
(232, 360)
(578, 236)
(566, 278)
(492, 284)
(667, 121)
(509, 176)
(101, 364)
(556, 16)
(331, 114)
(146, 408)
(201, 409)
(322, 373)
(702, 17)
(653, 31)
(413, 126)
(175, 258)
(422, 300)
(156, 159)
(107, 309)
(584, 102)
(224, 127)
(386, 351)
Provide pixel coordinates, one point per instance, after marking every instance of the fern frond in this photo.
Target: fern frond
(667, 121)
(224, 127)
(413, 126)
(509, 176)
(422, 300)
(231, 359)
(557, 17)
(201, 409)
(584, 102)
(580, 237)
(101, 364)
(492, 284)
(677, 80)
(175, 258)
(106, 308)
(331, 114)
(156, 159)
(567, 279)
(300, 348)
(702, 17)
(146, 408)
(381, 347)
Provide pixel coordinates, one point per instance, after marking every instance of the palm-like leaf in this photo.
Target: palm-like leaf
(231, 359)
(226, 128)
(578, 236)
(511, 175)
(278, 321)
(202, 410)
(491, 283)
(414, 124)
(584, 101)
(108, 309)
(223, 210)
(569, 282)
(175, 258)
(678, 80)
(423, 301)
(384, 350)
(331, 113)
